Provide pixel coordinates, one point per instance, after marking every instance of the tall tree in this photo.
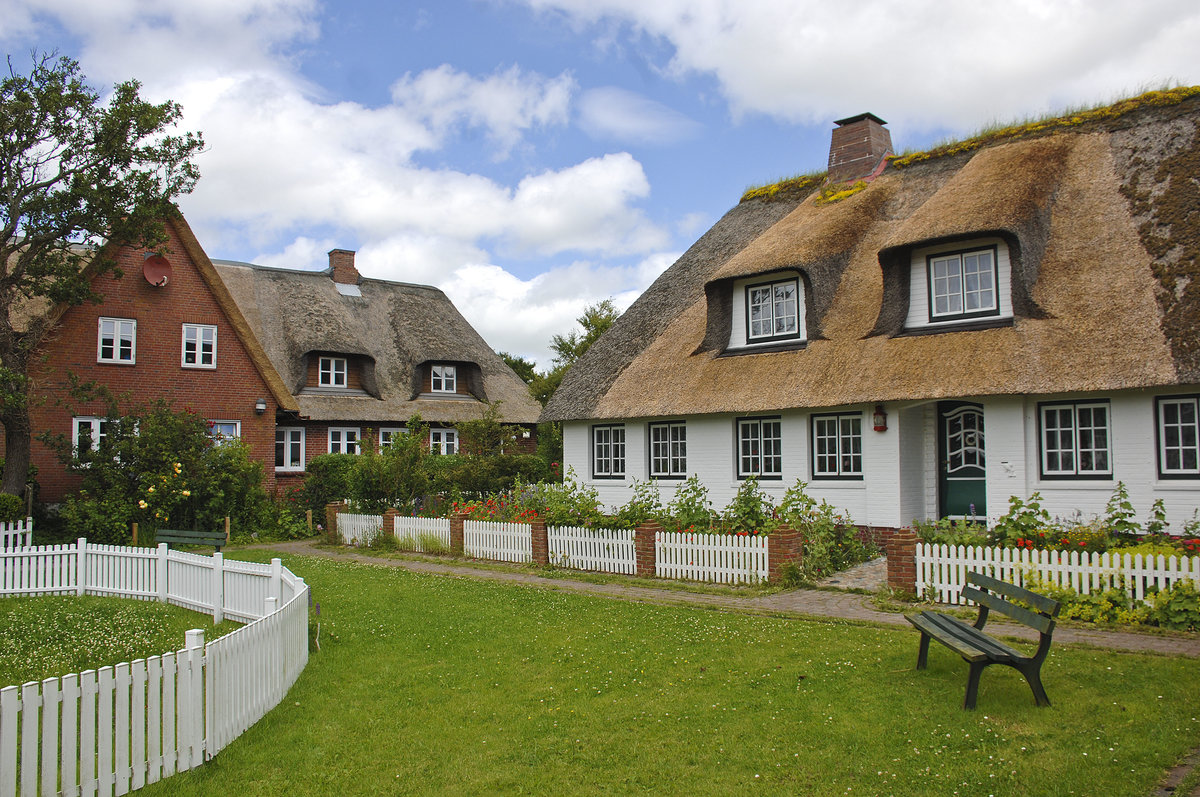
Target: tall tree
(595, 321)
(521, 367)
(75, 173)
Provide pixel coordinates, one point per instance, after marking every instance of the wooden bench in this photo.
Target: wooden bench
(191, 537)
(980, 650)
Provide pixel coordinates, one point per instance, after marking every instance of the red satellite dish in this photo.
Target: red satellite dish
(157, 270)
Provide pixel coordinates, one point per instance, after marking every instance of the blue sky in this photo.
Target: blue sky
(532, 157)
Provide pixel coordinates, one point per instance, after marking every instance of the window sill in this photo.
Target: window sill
(1180, 483)
(765, 348)
(116, 362)
(972, 325)
(1102, 483)
(838, 483)
(199, 367)
(333, 391)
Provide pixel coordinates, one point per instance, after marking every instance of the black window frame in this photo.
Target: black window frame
(611, 457)
(964, 315)
(672, 472)
(842, 474)
(1076, 474)
(1160, 451)
(799, 334)
(761, 474)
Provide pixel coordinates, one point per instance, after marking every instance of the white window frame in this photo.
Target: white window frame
(287, 437)
(97, 431)
(330, 369)
(774, 309)
(196, 337)
(443, 379)
(760, 447)
(388, 433)
(1180, 436)
(608, 451)
(837, 445)
(957, 286)
(221, 438)
(668, 449)
(443, 441)
(121, 330)
(1052, 452)
(344, 439)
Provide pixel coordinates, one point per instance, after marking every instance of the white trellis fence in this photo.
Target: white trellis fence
(603, 550)
(942, 569)
(416, 533)
(503, 542)
(16, 534)
(358, 529)
(115, 729)
(720, 558)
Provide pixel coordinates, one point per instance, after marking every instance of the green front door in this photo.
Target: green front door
(962, 488)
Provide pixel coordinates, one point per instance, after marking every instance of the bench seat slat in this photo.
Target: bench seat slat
(968, 641)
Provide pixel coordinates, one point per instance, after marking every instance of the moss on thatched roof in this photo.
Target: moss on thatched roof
(1103, 243)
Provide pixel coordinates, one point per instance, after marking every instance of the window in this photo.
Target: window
(760, 448)
(386, 435)
(1178, 436)
(289, 448)
(608, 452)
(199, 346)
(772, 311)
(343, 440)
(837, 446)
(444, 379)
(331, 372)
(87, 435)
(224, 432)
(117, 341)
(963, 285)
(443, 441)
(668, 450)
(1074, 439)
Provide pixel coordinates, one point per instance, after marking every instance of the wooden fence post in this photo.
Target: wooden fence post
(331, 512)
(783, 548)
(80, 566)
(135, 534)
(218, 566)
(277, 579)
(541, 542)
(162, 572)
(902, 561)
(191, 748)
(308, 519)
(643, 546)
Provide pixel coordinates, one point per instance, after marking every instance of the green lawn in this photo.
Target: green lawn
(430, 685)
(46, 636)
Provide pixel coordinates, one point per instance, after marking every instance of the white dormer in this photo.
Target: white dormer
(768, 310)
(967, 282)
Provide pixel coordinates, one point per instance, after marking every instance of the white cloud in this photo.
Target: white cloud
(930, 63)
(614, 113)
(302, 253)
(505, 103)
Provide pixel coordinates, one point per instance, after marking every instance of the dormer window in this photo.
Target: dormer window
(772, 310)
(963, 285)
(331, 372)
(444, 379)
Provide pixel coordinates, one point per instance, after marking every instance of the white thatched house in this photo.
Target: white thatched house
(1009, 315)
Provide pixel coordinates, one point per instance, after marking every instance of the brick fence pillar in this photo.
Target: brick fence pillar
(389, 522)
(643, 546)
(783, 547)
(331, 512)
(541, 544)
(902, 561)
(457, 520)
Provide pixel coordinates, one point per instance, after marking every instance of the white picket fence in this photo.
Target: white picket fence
(410, 531)
(942, 569)
(16, 534)
(358, 529)
(503, 542)
(720, 558)
(116, 729)
(603, 550)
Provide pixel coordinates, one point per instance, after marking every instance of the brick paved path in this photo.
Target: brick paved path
(820, 603)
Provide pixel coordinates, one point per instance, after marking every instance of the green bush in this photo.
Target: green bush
(327, 480)
(829, 540)
(690, 509)
(12, 508)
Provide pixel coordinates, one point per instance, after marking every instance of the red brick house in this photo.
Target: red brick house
(167, 327)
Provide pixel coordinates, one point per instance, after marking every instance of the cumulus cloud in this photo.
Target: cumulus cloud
(937, 63)
(614, 113)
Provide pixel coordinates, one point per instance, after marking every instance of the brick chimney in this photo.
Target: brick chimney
(341, 261)
(859, 146)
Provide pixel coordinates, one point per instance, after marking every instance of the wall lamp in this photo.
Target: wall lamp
(880, 418)
(260, 406)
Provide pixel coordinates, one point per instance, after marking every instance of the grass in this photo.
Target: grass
(47, 636)
(429, 684)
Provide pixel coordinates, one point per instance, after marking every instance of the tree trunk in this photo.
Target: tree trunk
(17, 439)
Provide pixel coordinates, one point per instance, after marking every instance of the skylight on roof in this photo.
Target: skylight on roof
(347, 290)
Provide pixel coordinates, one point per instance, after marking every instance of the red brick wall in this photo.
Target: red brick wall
(228, 392)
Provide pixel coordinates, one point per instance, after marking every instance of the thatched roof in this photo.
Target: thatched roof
(393, 328)
(1102, 223)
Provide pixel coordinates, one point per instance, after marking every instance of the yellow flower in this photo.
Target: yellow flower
(142, 504)
(186, 493)
(150, 490)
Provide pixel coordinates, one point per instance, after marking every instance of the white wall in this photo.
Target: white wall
(900, 477)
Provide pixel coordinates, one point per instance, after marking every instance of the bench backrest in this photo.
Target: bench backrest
(999, 595)
(191, 537)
